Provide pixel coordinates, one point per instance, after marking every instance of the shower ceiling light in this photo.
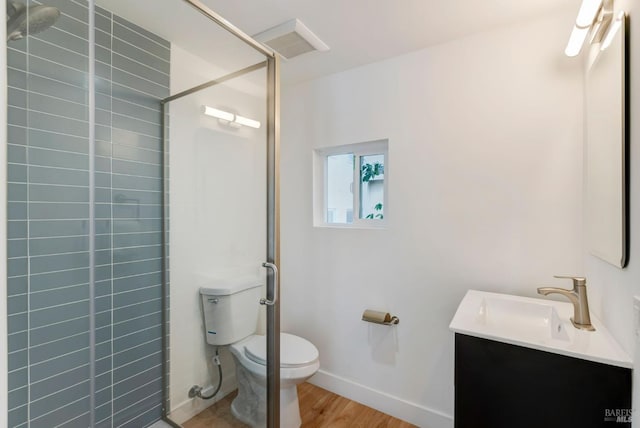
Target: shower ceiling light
(230, 119)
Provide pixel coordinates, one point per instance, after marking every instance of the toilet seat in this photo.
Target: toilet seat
(294, 351)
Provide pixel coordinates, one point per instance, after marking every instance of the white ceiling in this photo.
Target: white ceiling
(364, 31)
(357, 31)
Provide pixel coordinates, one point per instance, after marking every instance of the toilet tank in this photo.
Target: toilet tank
(231, 309)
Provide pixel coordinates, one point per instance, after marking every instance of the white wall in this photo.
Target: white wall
(611, 289)
(217, 214)
(485, 192)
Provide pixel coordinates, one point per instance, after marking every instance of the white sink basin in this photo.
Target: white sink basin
(535, 323)
(532, 320)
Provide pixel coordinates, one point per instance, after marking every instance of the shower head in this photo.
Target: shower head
(22, 20)
(14, 7)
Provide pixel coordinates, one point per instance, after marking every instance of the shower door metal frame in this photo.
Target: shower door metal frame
(273, 215)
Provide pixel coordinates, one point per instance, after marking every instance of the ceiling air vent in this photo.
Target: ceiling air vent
(290, 39)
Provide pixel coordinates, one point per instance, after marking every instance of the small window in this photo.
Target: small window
(350, 185)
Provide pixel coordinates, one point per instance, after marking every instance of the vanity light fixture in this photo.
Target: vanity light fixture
(247, 122)
(218, 114)
(613, 29)
(586, 15)
(587, 12)
(576, 40)
(230, 119)
(595, 19)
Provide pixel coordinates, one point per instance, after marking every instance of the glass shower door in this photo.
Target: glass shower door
(220, 191)
(218, 234)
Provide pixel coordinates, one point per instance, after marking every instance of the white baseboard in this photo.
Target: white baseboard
(182, 412)
(402, 409)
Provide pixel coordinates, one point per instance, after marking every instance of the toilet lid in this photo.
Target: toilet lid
(294, 351)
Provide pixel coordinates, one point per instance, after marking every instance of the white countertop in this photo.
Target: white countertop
(541, 324)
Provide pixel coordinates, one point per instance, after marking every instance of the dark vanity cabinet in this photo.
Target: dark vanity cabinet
(498, 385)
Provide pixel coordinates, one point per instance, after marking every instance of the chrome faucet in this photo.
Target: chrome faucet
(578, 297)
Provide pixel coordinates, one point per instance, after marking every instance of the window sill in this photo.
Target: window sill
(351, 226)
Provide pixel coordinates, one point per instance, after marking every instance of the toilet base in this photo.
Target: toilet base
(250, 406)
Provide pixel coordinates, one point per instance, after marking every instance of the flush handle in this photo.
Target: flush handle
(274, 268)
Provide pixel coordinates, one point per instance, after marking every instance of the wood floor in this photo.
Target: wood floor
(319, 408)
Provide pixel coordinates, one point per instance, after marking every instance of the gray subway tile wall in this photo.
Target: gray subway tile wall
(48, 224)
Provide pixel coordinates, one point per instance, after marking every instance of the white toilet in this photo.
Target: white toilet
(231, 316)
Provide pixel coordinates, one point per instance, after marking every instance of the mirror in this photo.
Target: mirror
(606, 150)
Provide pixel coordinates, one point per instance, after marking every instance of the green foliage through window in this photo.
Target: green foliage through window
(368, 173)
(378, 207)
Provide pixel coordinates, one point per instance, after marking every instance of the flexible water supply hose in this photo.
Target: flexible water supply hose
(198, 390)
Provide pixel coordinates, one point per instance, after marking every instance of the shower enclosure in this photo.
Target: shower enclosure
(124, 198)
